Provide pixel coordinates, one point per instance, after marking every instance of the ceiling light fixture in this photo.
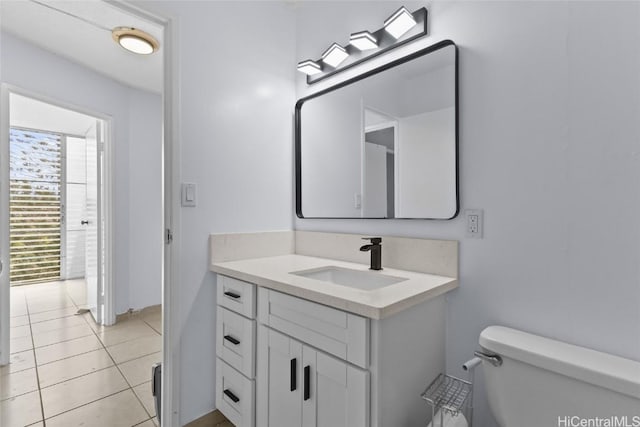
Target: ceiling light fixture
(309, 67)
(401, 28)
(363, 40)
(399, 23)
(135, 40)
(335, 55)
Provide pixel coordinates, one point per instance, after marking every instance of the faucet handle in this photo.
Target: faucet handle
(374, 240)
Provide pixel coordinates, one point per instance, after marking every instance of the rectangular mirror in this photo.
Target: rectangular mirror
(383, 144)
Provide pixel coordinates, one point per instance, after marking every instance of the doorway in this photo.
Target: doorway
(58, 205)
(112, 62)
(379, 157)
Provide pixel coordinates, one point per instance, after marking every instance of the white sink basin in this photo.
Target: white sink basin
(366, 280)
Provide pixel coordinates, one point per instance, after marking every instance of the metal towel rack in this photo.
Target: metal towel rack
(448, 394)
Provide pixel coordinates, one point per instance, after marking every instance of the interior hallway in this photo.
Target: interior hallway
(67, 371)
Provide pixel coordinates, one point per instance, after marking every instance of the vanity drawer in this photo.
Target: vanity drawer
(336, 332)
(237, 296)
(235, 340)
(235, 395)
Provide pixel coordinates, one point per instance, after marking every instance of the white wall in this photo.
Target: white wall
(438, 83)
(426, 165)
(31, 68)
(329, 182)
(236, 83)
(549, 143)
(145, 199)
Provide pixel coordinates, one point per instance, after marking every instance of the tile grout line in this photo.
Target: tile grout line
(93, 401)
(55, 318)
(44, 420)
(95, 333)
(145, 421)
(85, 404)
(118, 367)
(125, 378)
(35, 361)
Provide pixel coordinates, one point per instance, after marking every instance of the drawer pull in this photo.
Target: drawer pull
(307, 382)
(232, 340)
(294, 368)
(232, 295)
(232, 396)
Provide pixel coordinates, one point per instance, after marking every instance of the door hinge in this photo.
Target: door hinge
(168, 237)
(100, 146)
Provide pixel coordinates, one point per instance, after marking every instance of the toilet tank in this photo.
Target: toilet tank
(544, 382)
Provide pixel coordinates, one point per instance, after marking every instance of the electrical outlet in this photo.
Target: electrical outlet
(474, 223)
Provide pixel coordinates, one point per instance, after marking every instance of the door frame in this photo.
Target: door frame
(171, 321)
(171, 188)
(6, 90)
(363, 165)
(5, 294)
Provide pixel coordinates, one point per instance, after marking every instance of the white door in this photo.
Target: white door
(75, 197)
(335, 394)
(279, 394)
(4, 226)
(374, 192)
(92, 222)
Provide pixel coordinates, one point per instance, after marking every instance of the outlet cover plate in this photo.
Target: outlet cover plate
(474, 223)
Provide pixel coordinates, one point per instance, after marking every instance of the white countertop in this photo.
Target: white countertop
(274, 273)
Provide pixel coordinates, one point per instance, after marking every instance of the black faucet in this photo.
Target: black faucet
(376, 252)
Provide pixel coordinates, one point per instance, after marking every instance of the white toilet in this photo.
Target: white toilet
(532, 381)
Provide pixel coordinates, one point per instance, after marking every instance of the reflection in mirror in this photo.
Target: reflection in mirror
(383, 145)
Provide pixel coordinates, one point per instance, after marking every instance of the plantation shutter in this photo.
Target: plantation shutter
(34, 206)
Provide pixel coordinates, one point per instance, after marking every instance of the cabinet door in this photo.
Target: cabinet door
(279, 380)
(335, 393)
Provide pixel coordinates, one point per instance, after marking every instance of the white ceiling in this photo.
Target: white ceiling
(85, 37)
(32, 114)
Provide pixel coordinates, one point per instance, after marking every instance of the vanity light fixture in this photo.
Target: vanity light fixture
(399, 23)
(363, 40)
(335, 55)
(399, 29)
(309, 67)
(135, 40)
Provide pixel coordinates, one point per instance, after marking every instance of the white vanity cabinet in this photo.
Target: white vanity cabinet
(300, 385)
(312, 365)
(235, 350)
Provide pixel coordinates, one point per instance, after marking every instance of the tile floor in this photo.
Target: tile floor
(212, 419)
(67, 371)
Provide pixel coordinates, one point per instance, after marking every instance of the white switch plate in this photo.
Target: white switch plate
(189, 194)
(475, 223)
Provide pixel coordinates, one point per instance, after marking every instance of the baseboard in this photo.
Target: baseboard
(134, 313)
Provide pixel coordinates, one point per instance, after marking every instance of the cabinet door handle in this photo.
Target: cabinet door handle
(294, 369)
(232, 340)
(232, 396)
(307, 382)
(232, 295)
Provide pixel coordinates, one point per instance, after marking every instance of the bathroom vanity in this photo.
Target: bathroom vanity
(294, 347)
(306, 334)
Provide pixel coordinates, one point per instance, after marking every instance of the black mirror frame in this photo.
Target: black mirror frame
(298, 125)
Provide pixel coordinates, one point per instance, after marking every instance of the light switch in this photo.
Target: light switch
(188, 194)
